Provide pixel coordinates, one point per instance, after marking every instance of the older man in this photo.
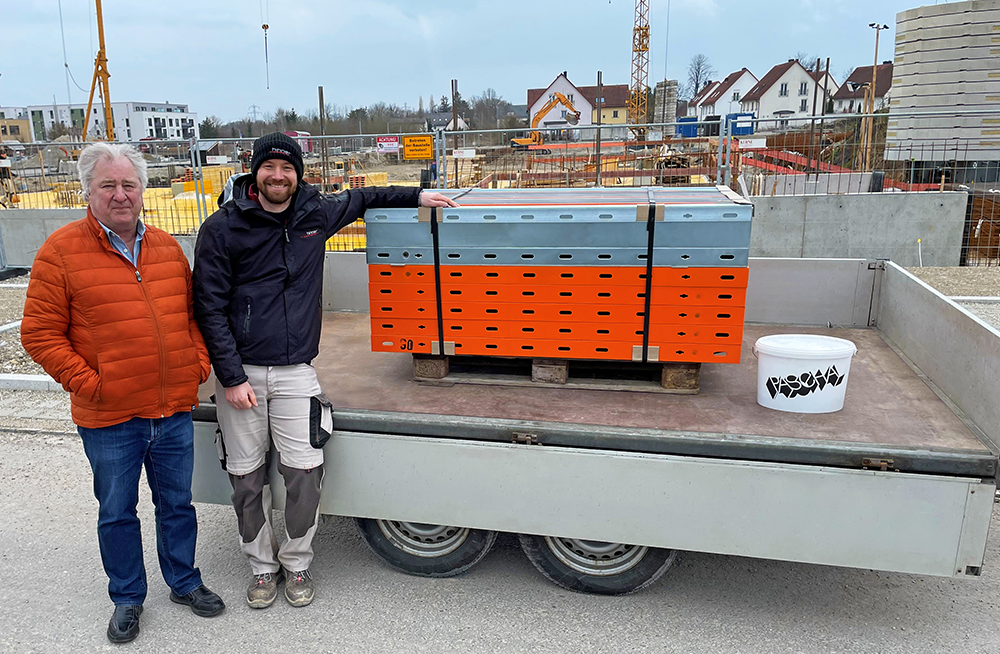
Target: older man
(109, 316)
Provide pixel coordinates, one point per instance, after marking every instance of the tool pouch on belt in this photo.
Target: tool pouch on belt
(320, 420)
(220, 445)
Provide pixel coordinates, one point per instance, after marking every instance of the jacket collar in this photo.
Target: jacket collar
(98, 231)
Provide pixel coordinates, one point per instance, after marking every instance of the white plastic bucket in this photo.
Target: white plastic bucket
(803, 373)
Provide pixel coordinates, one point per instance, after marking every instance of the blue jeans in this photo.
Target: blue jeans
(117, 454)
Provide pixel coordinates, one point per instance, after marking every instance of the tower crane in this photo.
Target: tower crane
(101, 74)
(640, 69)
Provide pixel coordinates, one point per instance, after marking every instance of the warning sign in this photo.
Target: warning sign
(387, 144)
(418, 147)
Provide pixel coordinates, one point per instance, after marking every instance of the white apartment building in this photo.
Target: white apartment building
(787, 92)
(133, 121)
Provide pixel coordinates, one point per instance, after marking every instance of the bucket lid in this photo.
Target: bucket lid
(805, 346)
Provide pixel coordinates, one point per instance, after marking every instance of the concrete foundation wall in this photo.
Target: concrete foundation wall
(22, 231)
(864, 226)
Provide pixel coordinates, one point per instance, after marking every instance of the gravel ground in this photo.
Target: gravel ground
(962, 280)
(12, 301)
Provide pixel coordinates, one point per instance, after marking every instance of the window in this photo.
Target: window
(15, 130)
(783, 91)
(804, 105)
(150, 133)
(736, 96)
(2, 116)
(126, 123)
(3, 130)
(51, 115)
(570, 96)
(149, 121)
(128, 133)
(562, 114)
(804, 88)
(614, 114)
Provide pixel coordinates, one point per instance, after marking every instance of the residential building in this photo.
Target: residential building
(14, 125)
(946, 61)
(695, 104)
(849, 98)
(133, 121)
(724, 97)
(444, 120)
(786, 92)
(555, 115)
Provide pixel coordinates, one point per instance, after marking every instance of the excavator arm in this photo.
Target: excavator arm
(535, 137)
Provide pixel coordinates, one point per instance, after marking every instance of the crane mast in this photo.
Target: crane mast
(640, 68)
(101, 76)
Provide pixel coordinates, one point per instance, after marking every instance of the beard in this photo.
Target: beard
(277, 195)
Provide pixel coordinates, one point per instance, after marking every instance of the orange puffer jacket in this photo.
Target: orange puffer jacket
(122, 341)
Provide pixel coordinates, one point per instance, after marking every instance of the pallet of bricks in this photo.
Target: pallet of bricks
(565, 278)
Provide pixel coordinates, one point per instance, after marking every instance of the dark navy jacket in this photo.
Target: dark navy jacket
(258, 283)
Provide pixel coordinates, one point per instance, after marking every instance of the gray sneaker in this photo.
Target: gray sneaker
(299, 588)
(262, 590)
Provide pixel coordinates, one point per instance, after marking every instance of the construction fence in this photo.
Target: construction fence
(823, 155)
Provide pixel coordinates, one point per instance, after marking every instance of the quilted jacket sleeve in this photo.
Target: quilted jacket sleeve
(45, 327)
(213, 282)
(196, 337)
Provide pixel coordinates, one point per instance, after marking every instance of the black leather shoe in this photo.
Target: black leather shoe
(202, 601)
(124, 625)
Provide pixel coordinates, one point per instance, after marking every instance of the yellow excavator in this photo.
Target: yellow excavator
(535, 137)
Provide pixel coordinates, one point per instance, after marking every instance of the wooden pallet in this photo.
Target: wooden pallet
(673, 378)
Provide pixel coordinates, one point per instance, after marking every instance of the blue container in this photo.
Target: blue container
(689, 128)
(740, 124)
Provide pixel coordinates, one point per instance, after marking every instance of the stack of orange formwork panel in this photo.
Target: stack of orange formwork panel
(635, 274)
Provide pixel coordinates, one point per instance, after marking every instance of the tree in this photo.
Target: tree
(807, 60)
(420, 106)
(210, 128)
(57, 130)
(444, 105)
(488, 109)
(699, 73)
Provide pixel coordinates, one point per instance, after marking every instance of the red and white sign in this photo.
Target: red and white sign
(387, 144)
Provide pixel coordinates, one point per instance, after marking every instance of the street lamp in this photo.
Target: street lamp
(870, 104)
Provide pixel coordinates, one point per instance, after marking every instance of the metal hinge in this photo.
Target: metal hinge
(882, 464)
(525, 438)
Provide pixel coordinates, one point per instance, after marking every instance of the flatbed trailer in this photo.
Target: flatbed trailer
(604, 487)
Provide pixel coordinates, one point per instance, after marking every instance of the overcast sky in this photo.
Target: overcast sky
(209, 54)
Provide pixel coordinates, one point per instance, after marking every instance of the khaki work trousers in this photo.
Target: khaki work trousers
(282, 417)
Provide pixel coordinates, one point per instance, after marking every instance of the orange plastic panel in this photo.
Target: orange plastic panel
(427, 310)
(560, 275)
(531, 348)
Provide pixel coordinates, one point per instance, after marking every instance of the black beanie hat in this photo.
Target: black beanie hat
(276, 146)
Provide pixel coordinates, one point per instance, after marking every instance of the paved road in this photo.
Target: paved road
(56, 601)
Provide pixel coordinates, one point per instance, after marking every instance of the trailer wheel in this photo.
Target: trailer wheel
(426, 550)
(589, 566)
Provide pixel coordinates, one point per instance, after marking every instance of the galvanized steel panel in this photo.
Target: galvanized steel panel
(901, 522)
(675, 257)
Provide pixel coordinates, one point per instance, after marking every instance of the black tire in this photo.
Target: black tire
(596, 567)
(426, 550)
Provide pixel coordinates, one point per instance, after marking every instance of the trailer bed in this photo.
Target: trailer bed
(890, 413)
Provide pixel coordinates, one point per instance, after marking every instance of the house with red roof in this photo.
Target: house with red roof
(786, 92)
(724, 97)
(850, 98)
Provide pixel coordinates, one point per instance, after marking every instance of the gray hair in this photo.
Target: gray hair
(109, 151)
